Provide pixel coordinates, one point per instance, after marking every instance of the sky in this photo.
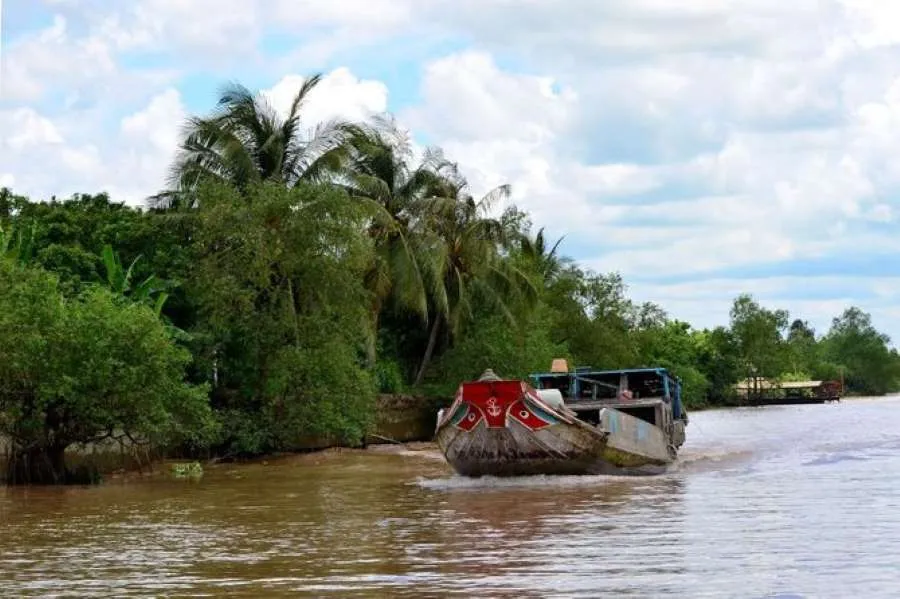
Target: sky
(701, 148)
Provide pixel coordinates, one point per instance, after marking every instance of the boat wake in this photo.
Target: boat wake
(711, 460)
(511, 482)
(690, 462)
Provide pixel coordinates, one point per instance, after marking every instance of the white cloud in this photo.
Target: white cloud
(158, 123)
(881, 213)
(131, 160)
(28, 129)
(340, 94)
(707, 303)
(501, 128)
(212, 26)
(466, 97)
(674, 137)
(580, 33)
(129, 164)
(235, 28)
(780, 145)
(365, 14)
(53, 58)
(60, 59)
(877, 23)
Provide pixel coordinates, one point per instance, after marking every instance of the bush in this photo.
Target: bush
(83, 369)
(389, 376)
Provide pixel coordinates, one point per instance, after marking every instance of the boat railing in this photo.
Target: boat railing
(610, 402)
(590, 381)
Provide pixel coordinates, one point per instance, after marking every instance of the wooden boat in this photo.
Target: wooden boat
(759, 391)
(580, 422)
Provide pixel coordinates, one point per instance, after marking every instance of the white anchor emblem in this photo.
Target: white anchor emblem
(492, 407)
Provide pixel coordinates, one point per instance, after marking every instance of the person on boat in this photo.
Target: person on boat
(625, 395)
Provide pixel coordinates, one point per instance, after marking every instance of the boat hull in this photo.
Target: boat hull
(525, 436)
(518, 451)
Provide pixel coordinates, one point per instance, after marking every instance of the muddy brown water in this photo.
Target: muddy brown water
(769, 502)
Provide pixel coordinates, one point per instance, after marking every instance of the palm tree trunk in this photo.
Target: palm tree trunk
(429, 350)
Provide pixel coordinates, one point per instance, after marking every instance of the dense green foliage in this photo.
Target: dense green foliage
(283, 281)
(85, 368)
(277, 281)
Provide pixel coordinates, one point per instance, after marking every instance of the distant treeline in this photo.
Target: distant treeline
(280, 282)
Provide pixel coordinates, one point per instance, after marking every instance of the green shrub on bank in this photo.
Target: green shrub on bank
(77, 370)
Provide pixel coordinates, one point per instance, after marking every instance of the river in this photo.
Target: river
(800, 501)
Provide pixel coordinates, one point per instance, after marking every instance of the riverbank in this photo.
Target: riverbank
(399, 419)
(405, 418)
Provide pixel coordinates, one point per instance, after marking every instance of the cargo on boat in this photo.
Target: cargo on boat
(583, 421)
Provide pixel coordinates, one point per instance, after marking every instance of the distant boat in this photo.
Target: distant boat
(759, 391)
(580, 422)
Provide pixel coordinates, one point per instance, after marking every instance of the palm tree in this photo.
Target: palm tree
(379, 171)
(548, 263)
(247, 141)
(471, 261)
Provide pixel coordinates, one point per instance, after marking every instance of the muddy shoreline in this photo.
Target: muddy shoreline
(401, 421)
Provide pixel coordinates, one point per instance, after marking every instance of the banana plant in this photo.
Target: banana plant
(17, 244)
(119, 280)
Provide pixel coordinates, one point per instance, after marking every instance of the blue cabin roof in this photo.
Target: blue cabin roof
(670, 383)
(588, 370)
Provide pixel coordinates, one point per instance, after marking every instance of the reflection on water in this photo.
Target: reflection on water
(771, 502)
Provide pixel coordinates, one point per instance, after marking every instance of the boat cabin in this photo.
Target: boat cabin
(651, 394)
